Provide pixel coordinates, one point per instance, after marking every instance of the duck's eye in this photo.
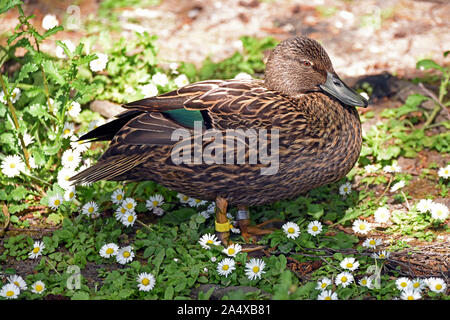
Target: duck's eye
(306, 63)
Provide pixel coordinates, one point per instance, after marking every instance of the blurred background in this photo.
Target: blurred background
(361, 36)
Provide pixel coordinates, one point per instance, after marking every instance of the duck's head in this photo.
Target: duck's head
(300, 65)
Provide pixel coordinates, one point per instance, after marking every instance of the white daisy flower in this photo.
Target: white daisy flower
(18, 281)
(398, 186)
(160, 79)
(345, 189)
(49, 21)
(439, 211)
(38, 287)
(74, 109)
(371, 168)
(393, 168)
(255, 268)
(226, 267)
(129, 204)
(444, 172)
(183, 198)
(344, 279)
(60, 51)
(79, 145)
(100, 63)
(361, 226)
(327, 295)
(117, 196)
(125, 255)
(69, 195)
(15, 95)
(424, 205)
(146, 281)
(205, 214)
(120, 213)
(158, 211)
(291, 229)
(243, 76)
(68, 129)
(437, 285)
(323, 283)
(12, 166)
(55, 201)
(90, 209)
(109, 250)
(154, 201)
(371, 243)
(71, 159)
(211, 208)
(314, 228)
(63, 178)
(128, 218)
(403, 283)
(181, 80)
(173, 66)
(232, 250)
(410, 294)
(10, 291)
(196, 202)
(366, 282)
(381, 255)
(208, 239)
(37, 250)
(149, 90)
(213, 259)
(418, 284)
(382, 215)
(350, 264)
(27, 139)
(32, 162)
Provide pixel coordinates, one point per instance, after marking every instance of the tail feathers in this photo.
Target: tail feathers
(109, 169)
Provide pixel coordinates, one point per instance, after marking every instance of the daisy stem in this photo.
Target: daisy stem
(12, 110)
(143, 224)
(52, 266)
(406, 200)
(37, 179)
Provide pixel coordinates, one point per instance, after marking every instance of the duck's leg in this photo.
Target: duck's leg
(243, 219)
(222, 223)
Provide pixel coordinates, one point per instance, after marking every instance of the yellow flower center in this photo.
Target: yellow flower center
(327, 298)
(119, 197)
(225, 267)
(291, 230)
(36, 250)
(17, 283)
(324, 285)
(71, 194)
(315, 228)
(416, 285)
(123, 210)
(231, 251)
(403, 284)
(345, 189)
(410, 298)
(126, 254)
(91, 209)
(185, 198)
(145, 281)
(344, 279)
(130, 218)
(38, 288)
(438, 287)
(70, 158)
(67, 131)
(197, 200)
(381, 256)
(12, 165)
(362, 227)
(109, 251)
(349, 265)
(155, 203)
(209, 241)
(130, 205)
(57, 202)
(9, 293)
(255, 269)
(364, 282)
(372, 242)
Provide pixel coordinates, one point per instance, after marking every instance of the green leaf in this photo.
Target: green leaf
(428, 64)
(52, 31)
(53, 71)
(168, 294)
(80, 295)
(5, 5)
(51, 150)
(25, 71)
(19, 193)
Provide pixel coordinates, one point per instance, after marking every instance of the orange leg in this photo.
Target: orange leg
(221, 219)
(243, 218)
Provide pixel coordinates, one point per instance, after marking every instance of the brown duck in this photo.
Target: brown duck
(313, 135)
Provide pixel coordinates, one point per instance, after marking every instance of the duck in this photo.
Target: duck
(302, 116)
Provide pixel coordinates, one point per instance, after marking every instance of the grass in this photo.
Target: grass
(167, 246)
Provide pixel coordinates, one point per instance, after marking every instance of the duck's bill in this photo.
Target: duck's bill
(338, 89)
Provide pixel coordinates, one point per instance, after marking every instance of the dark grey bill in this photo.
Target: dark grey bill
(338, 89)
